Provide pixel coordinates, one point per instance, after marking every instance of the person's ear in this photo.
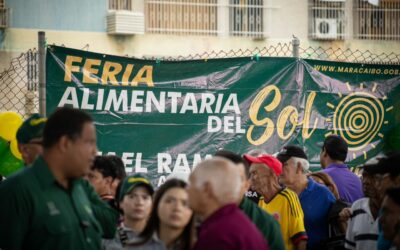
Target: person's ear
(247, 184)
(23, 150)
(325, 153)
(299, 168)
(208, 189)
(64, 143)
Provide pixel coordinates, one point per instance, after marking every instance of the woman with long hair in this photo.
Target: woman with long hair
(170, 225)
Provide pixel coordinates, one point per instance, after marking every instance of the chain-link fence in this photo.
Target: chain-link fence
(287, 50)
(19, 83)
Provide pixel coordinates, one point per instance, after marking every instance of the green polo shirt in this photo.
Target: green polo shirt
(37, 213)
(267, 225)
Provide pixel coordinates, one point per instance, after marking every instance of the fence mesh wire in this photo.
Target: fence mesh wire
(19, 83)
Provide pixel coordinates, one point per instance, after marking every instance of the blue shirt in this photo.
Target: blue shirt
(348, 184)
(316, 201)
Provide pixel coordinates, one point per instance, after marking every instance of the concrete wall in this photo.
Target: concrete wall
(78, 15)
(77, 23)
(81, 24)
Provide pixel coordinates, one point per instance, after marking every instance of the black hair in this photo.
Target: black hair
(334, 154)
(116, 200)
(119, 166)
(336, 147)
(153, 224)
(394, 195)
(235, 158)
(110, 166)
(64, 122)
(393, 159)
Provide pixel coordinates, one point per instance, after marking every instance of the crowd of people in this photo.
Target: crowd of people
(68, 197)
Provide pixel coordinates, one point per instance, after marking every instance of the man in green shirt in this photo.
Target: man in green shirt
(29, 137)
(265, 223)
(50, 206)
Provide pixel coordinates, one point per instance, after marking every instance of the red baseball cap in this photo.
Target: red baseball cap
(268, 160)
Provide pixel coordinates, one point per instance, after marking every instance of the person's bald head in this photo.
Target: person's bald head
(214, 181)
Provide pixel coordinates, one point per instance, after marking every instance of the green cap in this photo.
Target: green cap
(31, 128)
(133, 181)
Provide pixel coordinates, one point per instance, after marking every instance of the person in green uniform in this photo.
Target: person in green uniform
(50, 205)
(266, 224)
(29, 137)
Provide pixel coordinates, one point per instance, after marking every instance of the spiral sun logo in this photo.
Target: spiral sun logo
(358, 118)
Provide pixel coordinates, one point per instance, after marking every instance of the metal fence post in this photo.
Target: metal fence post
(42, 72)
(295, 47)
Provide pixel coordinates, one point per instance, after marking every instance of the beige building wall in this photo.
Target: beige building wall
(284, 18)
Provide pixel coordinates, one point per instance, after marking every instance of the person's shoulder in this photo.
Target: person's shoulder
(290, 198)
(237, 221)
(261, 212)
(243, 225)
(17, 191)
(87, 187)
(19, 180)
(288, 195)
(328, 170)
(324, 190)
(83, 182)
(359, 203)
(262, 218)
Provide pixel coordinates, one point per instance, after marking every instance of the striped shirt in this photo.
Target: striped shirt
(362, 229)
(286, 209)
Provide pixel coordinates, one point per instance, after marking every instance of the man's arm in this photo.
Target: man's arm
(301, 245)
(105, 215)
(344, 217)
(296, 223)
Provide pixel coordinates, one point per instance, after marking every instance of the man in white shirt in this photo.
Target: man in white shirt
(362, 229)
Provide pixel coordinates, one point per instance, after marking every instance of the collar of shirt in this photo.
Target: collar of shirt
(244, 203)
(273, 197)
(43, 173)
(310, 187)
(365, 206)
(157, 239)
(220, 213)
(336, 165)
(125, 228)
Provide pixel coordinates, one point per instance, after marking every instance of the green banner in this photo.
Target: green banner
(164, 117)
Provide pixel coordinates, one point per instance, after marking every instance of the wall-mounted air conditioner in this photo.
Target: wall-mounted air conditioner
(122, 22)
(325, 28)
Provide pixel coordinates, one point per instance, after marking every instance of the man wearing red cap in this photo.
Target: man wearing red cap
(279, 201)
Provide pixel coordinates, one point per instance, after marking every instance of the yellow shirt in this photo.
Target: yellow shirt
(286, 209)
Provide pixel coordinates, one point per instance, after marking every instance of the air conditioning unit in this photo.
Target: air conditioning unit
(325, 28)
(121, 22)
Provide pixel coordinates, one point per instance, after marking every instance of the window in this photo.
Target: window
(3, 15)
(120, 4)
(194, 17)
(327, 19)
(246, 18)
(377, 22)
(206, 17)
